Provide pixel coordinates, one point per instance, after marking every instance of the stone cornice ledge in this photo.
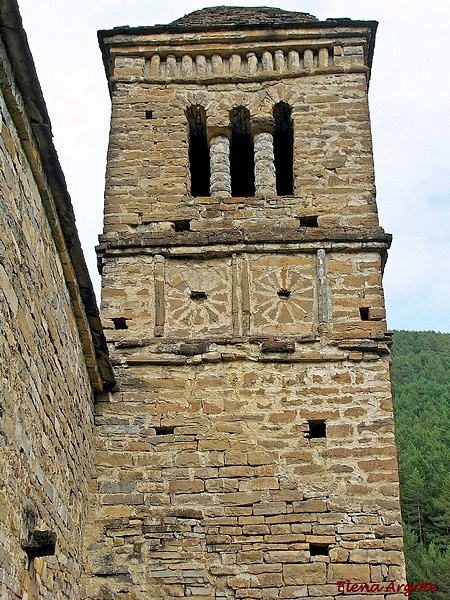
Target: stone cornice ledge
(236, 240)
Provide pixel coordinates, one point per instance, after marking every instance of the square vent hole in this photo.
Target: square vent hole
(167, 430)
(198, 295)
(40, 543)
(317, 429)
(364, 313)
(149, 114)
(182, 225)
(311, 221)
(318, 549)
(120, 323)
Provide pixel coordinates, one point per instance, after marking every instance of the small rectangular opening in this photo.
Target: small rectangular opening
(311, 221)
(183, 225)
(167, 430)
(120, 323)
(149, 114)
(317, 429)
(40, 543)
(198, 295)
(364, 313)
(318, 549)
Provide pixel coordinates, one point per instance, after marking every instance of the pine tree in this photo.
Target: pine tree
(421, 390)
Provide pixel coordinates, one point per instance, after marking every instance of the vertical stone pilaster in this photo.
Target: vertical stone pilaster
(252, 62)
(187, 66)
(171, 66)
(200, 63)
(155, 63)
(279, 61)
(219, 151)
(308, 60)
(322, 290)
(160, 312)
(294, 60)
(235, 63)
(236, 322)
(323, 57)
(217, 64)
(245, 298)
(267, 61)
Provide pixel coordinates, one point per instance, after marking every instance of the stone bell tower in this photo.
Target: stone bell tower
(248, 450)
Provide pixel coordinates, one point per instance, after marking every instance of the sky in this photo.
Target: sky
(410, 112)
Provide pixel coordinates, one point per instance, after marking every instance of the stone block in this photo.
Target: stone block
(269, 580)
(265, 483)
(376, 556)
(186, 486)
(309, 573)
(255, 529)
(189, 459)
(288, 592)
(269, 508)
(132, 499)
(310, 506)
(250, 557)
(236, 471)
(354, 573)
(235, 458)
(242, 498)
(259, 458)
(286, 556)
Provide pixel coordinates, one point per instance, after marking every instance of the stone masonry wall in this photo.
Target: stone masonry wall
(46, 400)
(152, 295)
(208, 480)
(208, 483)
(148, 180)
(248, 449)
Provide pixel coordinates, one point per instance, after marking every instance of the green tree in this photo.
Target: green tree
(421, 391)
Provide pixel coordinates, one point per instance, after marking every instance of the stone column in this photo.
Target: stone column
(219, 153)
(265, 181)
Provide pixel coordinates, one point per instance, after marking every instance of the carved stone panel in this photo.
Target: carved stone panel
(198, 298)
(281, 294)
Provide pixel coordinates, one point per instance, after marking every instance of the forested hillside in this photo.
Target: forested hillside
(421, 387)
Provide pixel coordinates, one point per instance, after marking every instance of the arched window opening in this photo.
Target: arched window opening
(242, 162)
(198, 151)
(283, 148)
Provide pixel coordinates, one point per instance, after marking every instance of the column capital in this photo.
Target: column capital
(262, 124)
(218, 131)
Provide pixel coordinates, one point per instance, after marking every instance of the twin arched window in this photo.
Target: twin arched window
(242, 157)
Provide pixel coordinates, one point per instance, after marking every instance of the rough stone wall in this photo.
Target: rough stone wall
(208, 484)
(148, 179)
(152, 295)
(248, 450)
(207, 481)
(46, 400)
